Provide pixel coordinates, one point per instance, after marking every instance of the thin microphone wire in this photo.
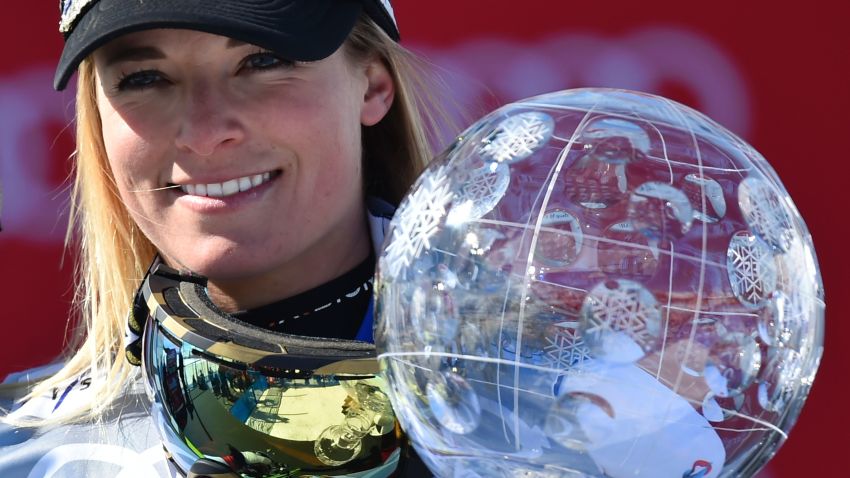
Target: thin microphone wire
(155, 189)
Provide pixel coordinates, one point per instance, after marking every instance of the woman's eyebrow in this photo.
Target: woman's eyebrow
(234, 43)
(134, 54)
(142, 53)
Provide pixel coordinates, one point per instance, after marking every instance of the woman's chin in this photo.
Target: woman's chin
(225, 267)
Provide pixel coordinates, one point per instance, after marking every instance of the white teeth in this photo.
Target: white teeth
(214, 190)
(244, 184)
(226, 188)
(230, 187)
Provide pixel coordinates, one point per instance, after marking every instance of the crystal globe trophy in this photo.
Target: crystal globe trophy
(598, 283)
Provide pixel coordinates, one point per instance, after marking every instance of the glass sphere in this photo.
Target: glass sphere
(598, 283)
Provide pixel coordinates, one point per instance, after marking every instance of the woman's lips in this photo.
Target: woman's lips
(220, 197)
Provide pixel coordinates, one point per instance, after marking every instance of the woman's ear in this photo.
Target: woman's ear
(380, 92)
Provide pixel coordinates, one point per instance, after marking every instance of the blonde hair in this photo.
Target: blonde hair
(114, 254)
(397, 148)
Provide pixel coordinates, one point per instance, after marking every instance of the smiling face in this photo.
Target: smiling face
(239, 165)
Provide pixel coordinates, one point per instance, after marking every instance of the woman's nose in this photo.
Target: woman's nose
(209, 120)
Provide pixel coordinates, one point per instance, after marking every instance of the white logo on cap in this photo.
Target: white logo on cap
(70, 11)
(389, 9)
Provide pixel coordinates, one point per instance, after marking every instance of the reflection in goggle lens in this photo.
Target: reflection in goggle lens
(271, 422)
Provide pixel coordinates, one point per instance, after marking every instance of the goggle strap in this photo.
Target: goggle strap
(194, 295)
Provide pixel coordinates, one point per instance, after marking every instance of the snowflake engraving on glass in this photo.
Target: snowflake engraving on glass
(598, 283)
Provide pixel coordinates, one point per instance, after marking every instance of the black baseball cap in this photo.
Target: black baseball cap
(300, 30)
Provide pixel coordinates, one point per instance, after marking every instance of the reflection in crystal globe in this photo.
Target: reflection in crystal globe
(517, 137)
(562, 423)
(735, 361)
(778, 384)
(621, 321)
(367, 412)
(764, 212)
(752, 269)
(454, 403)
(660, 211)
(560, 239)
(699, 188)
(338, 445)
(711, 410)
(597, 283)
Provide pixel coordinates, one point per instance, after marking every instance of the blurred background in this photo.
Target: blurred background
(777, 76)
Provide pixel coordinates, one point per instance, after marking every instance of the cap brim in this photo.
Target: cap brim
(297, 30)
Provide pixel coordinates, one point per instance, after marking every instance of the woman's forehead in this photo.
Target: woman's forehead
(153, 44)
(166, 35)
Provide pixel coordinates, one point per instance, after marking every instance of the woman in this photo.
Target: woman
(257, 144)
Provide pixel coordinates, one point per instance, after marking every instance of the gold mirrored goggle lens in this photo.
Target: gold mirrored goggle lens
(274, 421)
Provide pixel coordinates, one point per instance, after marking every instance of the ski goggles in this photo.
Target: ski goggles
(232, 399)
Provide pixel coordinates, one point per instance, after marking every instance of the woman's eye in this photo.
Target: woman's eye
(264, 61)
(139, 80)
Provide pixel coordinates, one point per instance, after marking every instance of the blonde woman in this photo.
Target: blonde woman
(252, 151)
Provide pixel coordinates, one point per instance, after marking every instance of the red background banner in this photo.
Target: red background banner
(777, 76)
